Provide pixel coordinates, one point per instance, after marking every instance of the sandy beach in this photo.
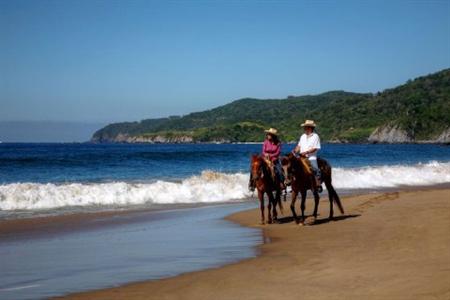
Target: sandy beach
(387, 246)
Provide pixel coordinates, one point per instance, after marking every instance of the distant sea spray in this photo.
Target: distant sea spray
(208, 187)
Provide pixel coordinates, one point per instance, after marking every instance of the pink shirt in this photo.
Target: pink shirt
(272, 150)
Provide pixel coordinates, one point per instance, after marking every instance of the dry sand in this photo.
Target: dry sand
(387, 246)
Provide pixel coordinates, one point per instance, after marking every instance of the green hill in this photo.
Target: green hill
(417, 110)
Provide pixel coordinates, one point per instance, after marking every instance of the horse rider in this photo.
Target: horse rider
(271, 152)
(308, 146)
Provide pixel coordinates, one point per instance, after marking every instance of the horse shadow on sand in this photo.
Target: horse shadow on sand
(290, 219)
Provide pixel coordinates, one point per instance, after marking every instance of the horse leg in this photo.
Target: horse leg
(316, 203)
(261, 205)
(269, 208)
(274, 210)
(330, 197)
(302, 205)
(278, 200)
(294, 198)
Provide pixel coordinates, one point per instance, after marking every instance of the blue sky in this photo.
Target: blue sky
(103, 61)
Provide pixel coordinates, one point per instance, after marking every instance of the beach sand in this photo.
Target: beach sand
(387, 246)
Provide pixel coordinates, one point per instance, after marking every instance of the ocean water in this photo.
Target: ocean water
(145, 246)
(37, 178)
(49, 179)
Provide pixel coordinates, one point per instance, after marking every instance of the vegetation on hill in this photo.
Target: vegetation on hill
(421, 107)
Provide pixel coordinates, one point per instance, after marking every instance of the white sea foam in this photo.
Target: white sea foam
(431, 173)
(206, 188)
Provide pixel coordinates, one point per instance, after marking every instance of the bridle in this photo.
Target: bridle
(259, 172)
(290, 169)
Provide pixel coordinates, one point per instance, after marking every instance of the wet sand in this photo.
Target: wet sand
(82, 252)
(387, 246)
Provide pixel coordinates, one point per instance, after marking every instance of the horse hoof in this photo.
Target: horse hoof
(301, 223)
(262, 223)
(314, 220)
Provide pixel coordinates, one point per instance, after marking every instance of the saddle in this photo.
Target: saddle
(306, 164)
(269, 163)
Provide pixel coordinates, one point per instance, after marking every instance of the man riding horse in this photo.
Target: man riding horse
(308, 146)
(303, 173)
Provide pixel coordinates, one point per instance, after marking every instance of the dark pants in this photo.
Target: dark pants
(279, 170)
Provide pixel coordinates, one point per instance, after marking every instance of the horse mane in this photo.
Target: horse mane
(295, 163)
(264, 166)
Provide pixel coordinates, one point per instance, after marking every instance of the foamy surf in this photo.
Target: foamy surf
(17, 288)
(209, 187)
(431, 173)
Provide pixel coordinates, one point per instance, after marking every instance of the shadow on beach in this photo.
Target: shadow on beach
(290, 219)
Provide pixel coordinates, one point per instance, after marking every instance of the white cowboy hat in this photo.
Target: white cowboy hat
(308, 123)
(271, 131)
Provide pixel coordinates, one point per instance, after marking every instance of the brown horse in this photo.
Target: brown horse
(265, 184)
(302, 181)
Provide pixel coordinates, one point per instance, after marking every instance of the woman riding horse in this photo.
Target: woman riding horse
(266, 175)
(271, 152)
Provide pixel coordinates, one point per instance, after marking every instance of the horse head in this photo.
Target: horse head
(287, 163)
(257, 167)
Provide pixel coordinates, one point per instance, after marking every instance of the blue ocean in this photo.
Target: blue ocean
(178, 194)
(45, 177)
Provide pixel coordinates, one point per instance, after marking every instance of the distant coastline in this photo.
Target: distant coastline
(438, 142)
(416, 112)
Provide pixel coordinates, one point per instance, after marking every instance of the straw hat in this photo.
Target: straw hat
(308, 123)
(272, 131)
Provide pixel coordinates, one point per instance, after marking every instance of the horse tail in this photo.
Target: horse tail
(335, 196)
(325, 167)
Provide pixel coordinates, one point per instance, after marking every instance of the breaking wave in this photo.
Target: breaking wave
(378, 177)
(208, 187)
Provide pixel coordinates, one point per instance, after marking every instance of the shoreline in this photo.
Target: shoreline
(315, 263)
(419, 142)
(92, 252)
(45, 225)
(36, 226)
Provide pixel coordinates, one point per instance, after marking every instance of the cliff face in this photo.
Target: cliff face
(384, 134)
(390, 134)
(444, 137)
(154, 139)
(394, 134)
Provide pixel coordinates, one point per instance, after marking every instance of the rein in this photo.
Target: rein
(261, 169)
(263, 172)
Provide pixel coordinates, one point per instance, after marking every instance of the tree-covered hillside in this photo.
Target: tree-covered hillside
(421, 107)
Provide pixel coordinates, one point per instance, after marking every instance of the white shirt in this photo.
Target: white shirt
(308, 142)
